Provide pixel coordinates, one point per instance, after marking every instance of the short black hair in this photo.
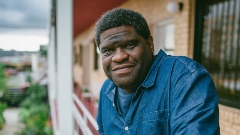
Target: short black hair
(121, 17)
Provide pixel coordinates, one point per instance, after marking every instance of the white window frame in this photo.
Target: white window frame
(156, 40)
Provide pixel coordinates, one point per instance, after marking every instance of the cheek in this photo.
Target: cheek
(106, 64)
(139, 55)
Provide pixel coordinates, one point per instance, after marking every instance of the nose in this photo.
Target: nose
(120, 55)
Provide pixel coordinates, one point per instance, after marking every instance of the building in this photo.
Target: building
(205, 31)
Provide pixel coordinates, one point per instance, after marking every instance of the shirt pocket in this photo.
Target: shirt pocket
(156, 123)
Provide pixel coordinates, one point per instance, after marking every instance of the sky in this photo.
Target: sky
(24, 24)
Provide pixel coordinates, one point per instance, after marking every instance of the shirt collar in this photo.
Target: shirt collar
(151, 76)
(111, 90)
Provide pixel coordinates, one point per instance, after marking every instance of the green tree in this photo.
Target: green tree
(3, 92)
(43, 50)
(34, 113)
(3, 80)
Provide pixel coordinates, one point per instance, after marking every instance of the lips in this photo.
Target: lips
(119, 67)
(123, 69)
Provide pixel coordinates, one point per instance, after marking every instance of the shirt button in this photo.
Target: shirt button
(113, 104)
(126, 128)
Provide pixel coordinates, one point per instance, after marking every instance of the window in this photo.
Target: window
(220, 47)
(164, 36)
(96, 54)
(75, 56)
(80, 55)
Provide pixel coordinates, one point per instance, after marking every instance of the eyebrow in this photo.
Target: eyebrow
(105, 47)
(112, 43)
(108, 44)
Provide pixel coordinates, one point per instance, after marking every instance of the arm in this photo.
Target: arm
(194, 105)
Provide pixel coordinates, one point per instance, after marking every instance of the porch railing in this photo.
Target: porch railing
(84, 120)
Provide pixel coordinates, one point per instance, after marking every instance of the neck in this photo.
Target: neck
(128, 91)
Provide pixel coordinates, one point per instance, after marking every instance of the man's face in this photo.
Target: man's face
(126, 56)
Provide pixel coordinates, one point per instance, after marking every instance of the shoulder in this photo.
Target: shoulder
(183, 63)
(184, 70)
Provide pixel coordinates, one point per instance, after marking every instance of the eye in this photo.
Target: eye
(131, 44)
(107, 52)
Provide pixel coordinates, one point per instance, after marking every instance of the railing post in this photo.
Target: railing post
(82, 120)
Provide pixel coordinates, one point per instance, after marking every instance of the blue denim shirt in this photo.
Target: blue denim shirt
(177, 96)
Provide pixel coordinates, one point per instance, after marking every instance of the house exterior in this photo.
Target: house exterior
(207, 32)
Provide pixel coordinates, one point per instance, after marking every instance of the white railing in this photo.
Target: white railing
(82, 120)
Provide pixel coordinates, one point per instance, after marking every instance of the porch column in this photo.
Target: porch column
(52, 79)
(64, 66)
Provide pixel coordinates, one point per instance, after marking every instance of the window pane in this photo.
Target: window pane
(221, 47)
(164, 37)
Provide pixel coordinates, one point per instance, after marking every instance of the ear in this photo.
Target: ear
(150, 43)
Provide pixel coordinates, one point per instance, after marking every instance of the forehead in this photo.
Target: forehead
(118, 31)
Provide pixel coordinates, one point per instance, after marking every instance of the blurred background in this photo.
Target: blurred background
(50, 67)
(24, 36)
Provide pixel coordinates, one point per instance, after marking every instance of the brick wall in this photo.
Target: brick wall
(155, 11)
(229, 120)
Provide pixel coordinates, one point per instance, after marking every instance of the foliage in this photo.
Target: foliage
(34, 118)
(3, 82)
(3, 77)
(14, 99)
(43, 50)
(3, 92)
(36, 93)
(3, 106)
(35, 112)
(29, 79)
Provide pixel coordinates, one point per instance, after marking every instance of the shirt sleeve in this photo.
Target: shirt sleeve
(100, 108)
(194, 105)
(99, 118)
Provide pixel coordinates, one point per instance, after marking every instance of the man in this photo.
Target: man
(146, 94)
